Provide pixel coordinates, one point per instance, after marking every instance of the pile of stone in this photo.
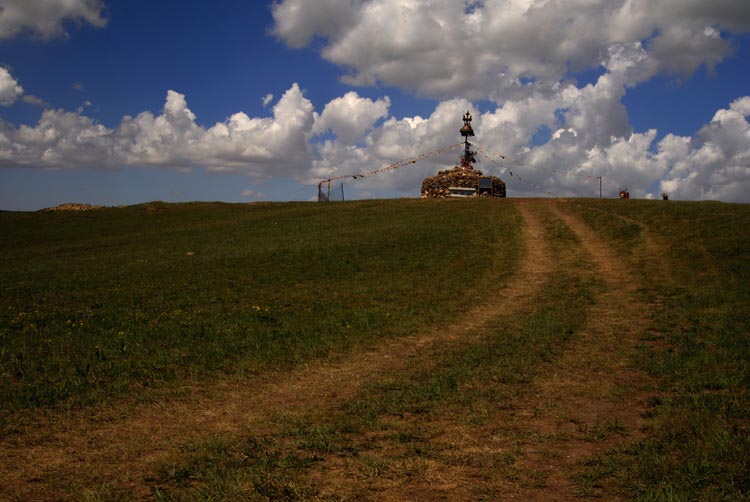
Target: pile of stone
(459, 176)
(73, 206)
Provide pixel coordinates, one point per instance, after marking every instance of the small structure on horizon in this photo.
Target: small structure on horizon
(463, 180)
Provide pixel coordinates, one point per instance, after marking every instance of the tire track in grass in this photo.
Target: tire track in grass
(409, 451)
(583, 401)
(59, 457)
(593, 401)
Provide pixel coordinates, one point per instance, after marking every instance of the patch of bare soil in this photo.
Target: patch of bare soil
(117, 447)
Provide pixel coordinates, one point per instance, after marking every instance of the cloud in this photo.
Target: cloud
(33, 100)
(10, 91)
(252, 194)
(298, 22)
(498, 48)
(589, 136)
(517, 58)
(715, 163)
(350, 116)
(395, 140)
(523, 55)
(45, 18)
(712, 164)
(262, 147)
(588, 121)
(60, 139)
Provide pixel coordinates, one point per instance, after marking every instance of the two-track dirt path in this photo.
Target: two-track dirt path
(583, 403)
(594, 400)
(118, 446)
(588, 390)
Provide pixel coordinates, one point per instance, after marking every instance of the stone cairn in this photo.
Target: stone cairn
(463, 175)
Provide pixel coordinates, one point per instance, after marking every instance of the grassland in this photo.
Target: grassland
(693, 262)
(110, 302)
(483, 351)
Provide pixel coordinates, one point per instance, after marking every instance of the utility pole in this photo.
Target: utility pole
(600, 186)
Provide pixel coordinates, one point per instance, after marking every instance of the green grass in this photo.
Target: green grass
(699, 444)
(119, 301)
(387, 431)
(132, 303)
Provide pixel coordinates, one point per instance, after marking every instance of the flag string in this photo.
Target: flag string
(393, 166)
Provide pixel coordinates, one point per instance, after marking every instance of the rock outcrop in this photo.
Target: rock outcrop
(73, 206)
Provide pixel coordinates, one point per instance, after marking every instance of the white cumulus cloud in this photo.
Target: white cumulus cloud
(589, 136)
(523, 55)
(298, 22)
(262, 147)
(715, 163)
(45, 18)
(10, 91)
(495, 48)
(395, 140)
(350, 116)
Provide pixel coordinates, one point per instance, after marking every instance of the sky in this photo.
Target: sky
(116, 102)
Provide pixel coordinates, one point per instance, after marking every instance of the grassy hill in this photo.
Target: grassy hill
(129, 308)
(699, 443)
(103, 303)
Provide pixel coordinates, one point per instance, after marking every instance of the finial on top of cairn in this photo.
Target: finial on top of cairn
(468, 158)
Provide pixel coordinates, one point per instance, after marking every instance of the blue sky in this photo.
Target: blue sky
(650, 95)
